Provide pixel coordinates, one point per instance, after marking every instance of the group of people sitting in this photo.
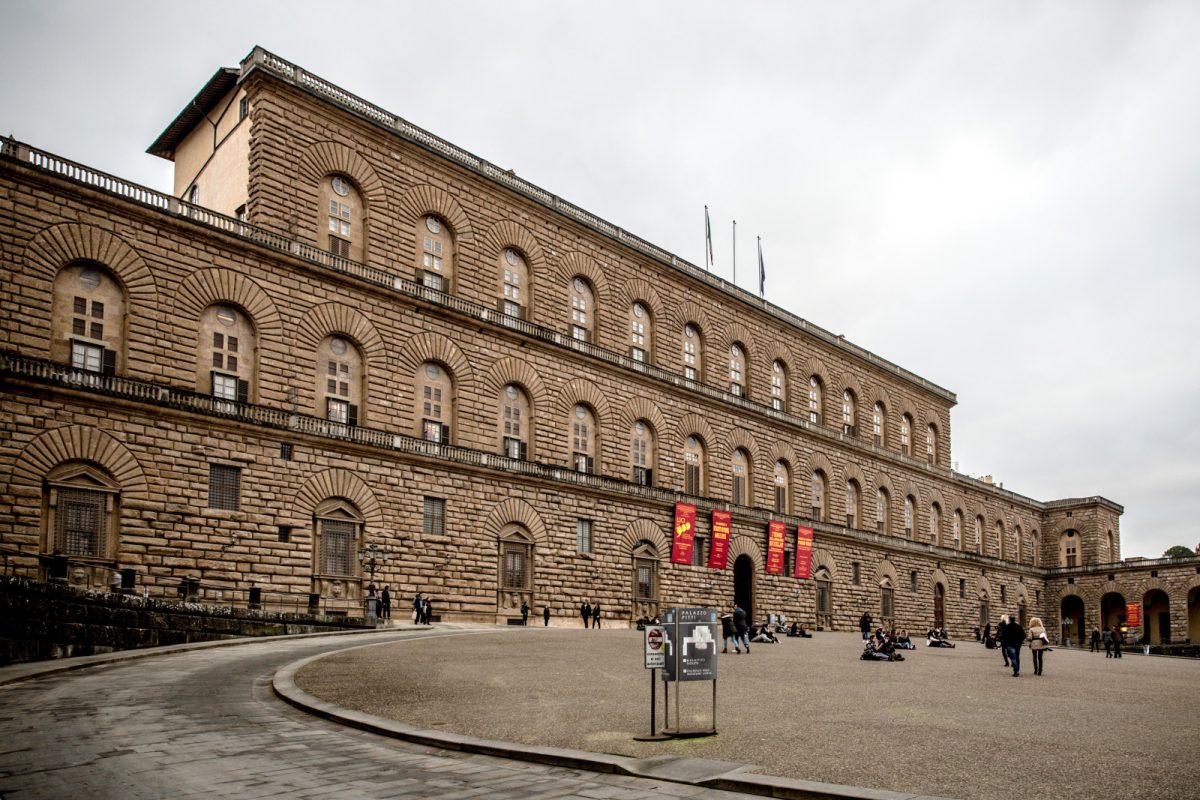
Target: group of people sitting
(798, 630)
(883, 645)
(937, 637)
(644, 621)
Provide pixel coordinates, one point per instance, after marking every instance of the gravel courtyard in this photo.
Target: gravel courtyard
(952, 723)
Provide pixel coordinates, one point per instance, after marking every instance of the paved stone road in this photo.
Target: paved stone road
(205, 724)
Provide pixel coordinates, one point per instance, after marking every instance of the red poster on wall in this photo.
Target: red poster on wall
(804, 546)
(776, 536)
(684, 538)
(1133, 615)
(718, 552)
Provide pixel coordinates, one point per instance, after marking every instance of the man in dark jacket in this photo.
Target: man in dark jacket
(864, 626)
(1012, 638)
(585, 611)
(739, 627)
(1000, 637)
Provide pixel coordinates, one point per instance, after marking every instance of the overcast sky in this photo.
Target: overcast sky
(1001, 197)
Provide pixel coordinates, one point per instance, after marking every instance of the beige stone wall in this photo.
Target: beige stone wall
(215, 157)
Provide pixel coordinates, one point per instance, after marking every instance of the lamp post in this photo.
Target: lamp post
(374, 556)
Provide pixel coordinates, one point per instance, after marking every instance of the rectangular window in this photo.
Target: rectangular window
(583, 535)
(912, 577)
(1003, 599)
(691, 479)
(80, 521)
(87, 357)
(824, 606)
(337, 546)
(780, 499)
(889, 602)
(434, 516)
(514, 448)
(690, 373)
(243, 108)
(777, 404)
(582, 462)
(434, 431)
(285, 451)
(224, 387)
(581, 334)
(643, 580)
(515, 566)
(962, 587)
(337, 410)
(338, 246)
(223, 484)
(699, 556)
(637, 354)
(739, 490)
(855, 573)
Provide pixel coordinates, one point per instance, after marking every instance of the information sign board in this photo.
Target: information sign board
(656, 647)
(692, 639)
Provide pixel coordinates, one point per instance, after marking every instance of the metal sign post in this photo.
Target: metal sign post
(692, 638)
(655, 659)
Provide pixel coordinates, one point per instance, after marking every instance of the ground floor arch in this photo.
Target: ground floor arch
(743, 584)
(1193, 610)
(1156, 617)
(939, 605)
(1112, 610)
(1071, 615)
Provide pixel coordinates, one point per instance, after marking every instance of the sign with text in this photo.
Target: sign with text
(656, 647)
(684, 538)
(692, 638)
(1133, 615)
(776, 538)
(804, 547)
(718, 551)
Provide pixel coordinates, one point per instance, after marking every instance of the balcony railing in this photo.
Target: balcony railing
(14, 365)
(102, 181)
(1127, 564)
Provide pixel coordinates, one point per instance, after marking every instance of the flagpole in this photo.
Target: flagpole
(762, 273)
(735, 252)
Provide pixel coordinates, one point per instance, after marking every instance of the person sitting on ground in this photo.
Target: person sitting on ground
(936, 638)
(903, 641)
(765, 635)
(794, 630)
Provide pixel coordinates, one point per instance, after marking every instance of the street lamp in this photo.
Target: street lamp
(371, 558)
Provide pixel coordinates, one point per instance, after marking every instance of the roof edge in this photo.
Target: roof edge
(205, 100)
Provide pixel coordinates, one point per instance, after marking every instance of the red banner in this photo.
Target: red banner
(718, 551)
(804, 546)
(685, 534)
(1133, 615)
(776, 536)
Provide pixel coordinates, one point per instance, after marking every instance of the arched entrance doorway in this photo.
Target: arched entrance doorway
(743, 585)
(1112, 610)
(1156, 617)
(1194, 615)
(1071, 613)
(939, 605)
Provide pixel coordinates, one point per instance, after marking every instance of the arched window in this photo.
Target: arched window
(979, 535)
(583, 310)
(642, 453)
(849, 413)
(82, 512)
(958, 529)
(583, 439)
(906, 425)
(824, 584)
(931, 443)
(779, 386)
(641, 333)
(88, 317)
(819, 485)
(1111, 549)
(435, 257)
(645, 578)
(435, 403)
(1035, 544)
(882, 517)
(339, 378)
(693, 353)
(516, 562)
(1020, 540)
(228, 350)
(879, 425)
(887, 600)
(816, 399)
(935, 524)
(343, 217)
(783, 488)
(853, 502)
(1000, 538)
(910, 512)
(337, 530)
(694, 467)
(737, 370)
(1068, 549)
(514, 422)
(514, 284)
(741, 477)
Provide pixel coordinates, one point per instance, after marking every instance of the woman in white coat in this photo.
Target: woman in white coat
(1038, 641)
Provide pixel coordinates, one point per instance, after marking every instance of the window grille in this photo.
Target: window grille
(434, 516)
(80, 522)
(337, 546)
(223, 485)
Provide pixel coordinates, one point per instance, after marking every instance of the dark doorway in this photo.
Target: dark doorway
(1071, 614)
(939, 606)
(1156, 617)
(743, 585)
(1112, 609)
(1021, 615)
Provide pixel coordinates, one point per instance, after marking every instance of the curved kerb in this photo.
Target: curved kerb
(724, 775)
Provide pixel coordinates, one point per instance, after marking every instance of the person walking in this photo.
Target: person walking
(864, 625)
(739, 627)
(417, 605)
(524, 614)
(546, 617)
(385, 604)
(585, 611)
(596, 616)
(1095, 640)
(1038, 641)
(1118, 640)
(426, 610)
(1014, 637)
(1000, 626)
(1108, 641)
(727, 633)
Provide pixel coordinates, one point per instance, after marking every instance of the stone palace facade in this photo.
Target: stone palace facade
(345, 350)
